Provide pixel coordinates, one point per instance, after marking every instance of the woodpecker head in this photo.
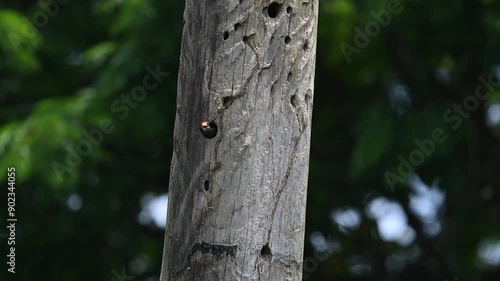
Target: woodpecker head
(209, 129)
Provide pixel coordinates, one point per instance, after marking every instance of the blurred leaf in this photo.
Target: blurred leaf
(20, 39)
(375, 136)
(99, 53)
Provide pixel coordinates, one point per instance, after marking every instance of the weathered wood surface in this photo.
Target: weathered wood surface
(237, 201)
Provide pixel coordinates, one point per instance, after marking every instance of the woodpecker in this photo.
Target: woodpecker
(209, 129)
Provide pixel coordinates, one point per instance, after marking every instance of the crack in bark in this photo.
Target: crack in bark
(282, 187)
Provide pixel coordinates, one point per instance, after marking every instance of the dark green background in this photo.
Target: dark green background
(61, 73)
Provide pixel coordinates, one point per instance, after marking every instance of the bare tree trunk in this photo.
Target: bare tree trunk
(237, 201)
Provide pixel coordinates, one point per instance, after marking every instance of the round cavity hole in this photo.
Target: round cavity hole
(274, 9)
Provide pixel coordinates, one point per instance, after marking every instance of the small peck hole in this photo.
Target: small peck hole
(294, 100)
(225, 35)
(238, 26)
(206, 185)
(287, 40)
(227, 101)
(265, 251)
(307, 46)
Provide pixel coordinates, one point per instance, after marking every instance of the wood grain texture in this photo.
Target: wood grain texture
(237, 201)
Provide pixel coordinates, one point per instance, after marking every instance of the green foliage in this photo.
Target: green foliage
(20, 40)
(376, 132)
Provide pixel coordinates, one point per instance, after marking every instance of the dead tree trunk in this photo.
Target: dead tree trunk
(237, 201)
